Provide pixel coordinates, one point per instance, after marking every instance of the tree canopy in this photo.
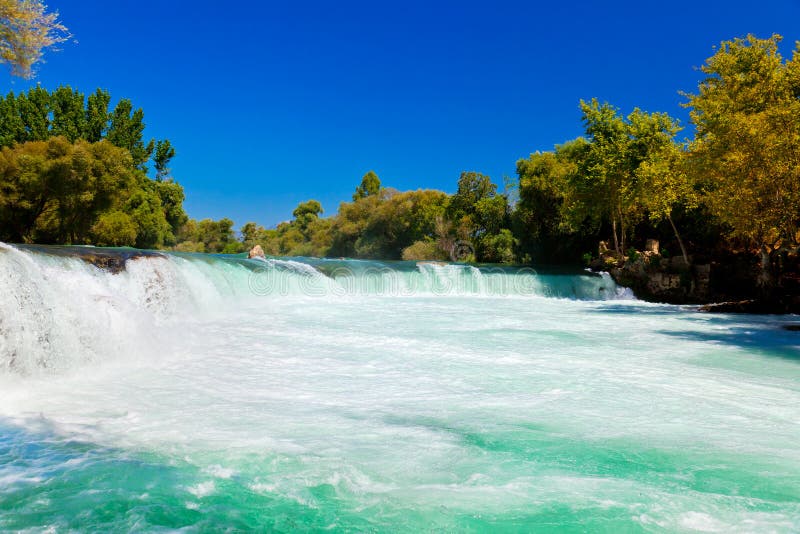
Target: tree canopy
(746, 153)
(370, 185)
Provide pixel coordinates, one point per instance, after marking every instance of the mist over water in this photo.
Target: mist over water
(301, 394)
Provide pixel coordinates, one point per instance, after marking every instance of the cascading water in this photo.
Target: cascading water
(60, 309)
(215, 392)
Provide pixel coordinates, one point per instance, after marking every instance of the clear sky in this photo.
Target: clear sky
(273, 103)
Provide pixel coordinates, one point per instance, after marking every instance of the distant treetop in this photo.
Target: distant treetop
(370, 185)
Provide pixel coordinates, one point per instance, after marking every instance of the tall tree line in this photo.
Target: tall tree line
(74, 170)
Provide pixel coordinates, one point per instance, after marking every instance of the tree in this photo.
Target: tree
(26, 29)
(163, 155)
(69, 117)
(54, 191)
(498, 247)
(351, 222)
(126, 129)
(472, 188)
(34, 109)
(746, 153)
(625, 170)
(208, 236)
(97, 116)
(370, 185)
(542, 189)
(306, 212)
(663, 181)
(12, 127)
(603, 187)
(172, 197)
(114, 229)
(252, 234)
(480, 215)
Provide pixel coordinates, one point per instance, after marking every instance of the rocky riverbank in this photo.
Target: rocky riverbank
(732, 283)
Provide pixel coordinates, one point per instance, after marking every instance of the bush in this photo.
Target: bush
(423, 250)
(114, 229)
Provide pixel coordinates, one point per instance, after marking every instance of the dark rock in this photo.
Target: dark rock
(765, 306)
(111, 260)
(741, 306)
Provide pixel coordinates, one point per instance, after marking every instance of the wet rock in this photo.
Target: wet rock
(739, 306)
(763, 306)
(111, 260)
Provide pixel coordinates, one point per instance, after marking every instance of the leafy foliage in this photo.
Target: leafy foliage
(55, 191)
(26, 29)
(73, 173)
(370, 185)
(746, 154)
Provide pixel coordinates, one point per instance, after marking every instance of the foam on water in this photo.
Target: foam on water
(212, 393)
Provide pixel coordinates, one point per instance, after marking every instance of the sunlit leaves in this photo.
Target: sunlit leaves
(26, 30)
(747, 150)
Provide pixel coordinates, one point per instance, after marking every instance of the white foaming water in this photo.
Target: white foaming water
(384, 396)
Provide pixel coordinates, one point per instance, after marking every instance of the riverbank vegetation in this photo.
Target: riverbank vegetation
(75, 170)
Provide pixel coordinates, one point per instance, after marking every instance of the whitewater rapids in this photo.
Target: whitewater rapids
(212, 392)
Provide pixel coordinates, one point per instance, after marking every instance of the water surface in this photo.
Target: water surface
(207, 393)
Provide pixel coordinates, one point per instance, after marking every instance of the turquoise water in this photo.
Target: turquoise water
(205, 393)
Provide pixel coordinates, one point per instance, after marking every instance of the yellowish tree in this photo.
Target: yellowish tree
(26, 30)
(662, 182)
(746, 152)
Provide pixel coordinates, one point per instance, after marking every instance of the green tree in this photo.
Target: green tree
(24, 190)
(603, 186)
(145, 208)
(69, 116)
(34, 108)
(306, 212)
(624, 171)
(12, 127)
(479, 214)
(126, 130)
(554, 219)
(370, 185)
(350, 224)
(54, 191)
(172, 197)
(97, 115)
(498, 247)
(252, 234)
(472, 188)
(114, 229)
(164, 153)
(214, 236)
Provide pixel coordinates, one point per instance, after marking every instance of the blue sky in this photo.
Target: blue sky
(273, 103)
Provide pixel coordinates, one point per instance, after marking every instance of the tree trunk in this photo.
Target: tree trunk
(765, 277)
(621, 229)
(614, 229)
(678, 237)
